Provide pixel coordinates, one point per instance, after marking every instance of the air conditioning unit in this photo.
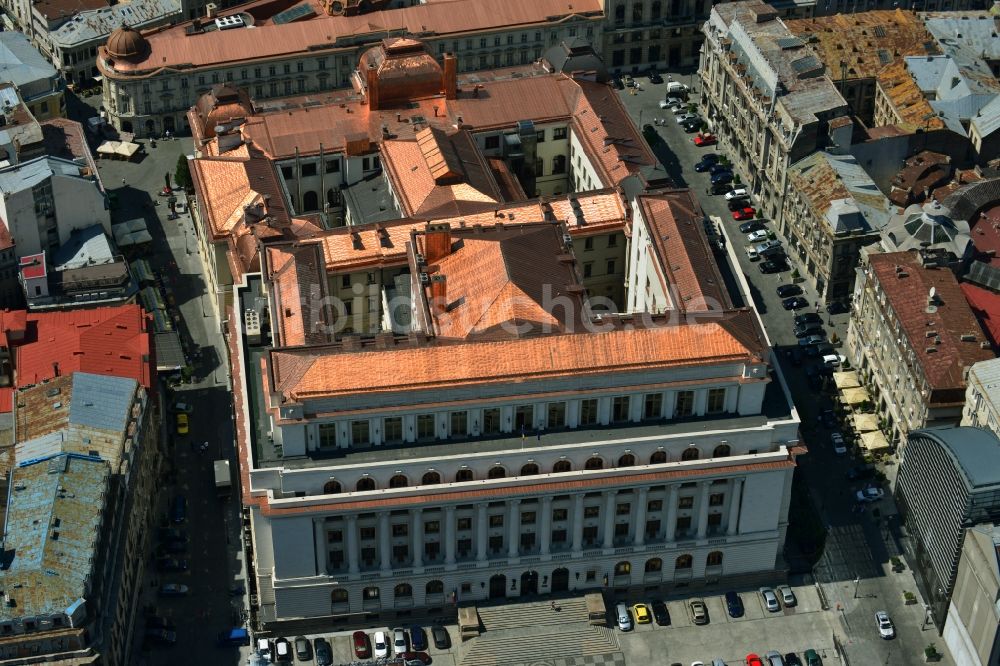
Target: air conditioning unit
(230, 22)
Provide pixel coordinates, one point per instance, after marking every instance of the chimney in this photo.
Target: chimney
(439, 294)
(450, 76)
(371, 83)
(437, 242)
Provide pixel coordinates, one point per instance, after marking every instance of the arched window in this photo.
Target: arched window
(721, 451)
(369, 593)
(714, 559)
(562, 466)
(655, 564)
(366, 483)
(529, 470)
(398, 481)
(430, 478)
(331, 487)
(310, 201)
(683, 562)
(594, 462)
(463, 475)
(623, 568)
(656, 10)
(658, 458)
(496, 472)
(435, 587)
(402, 590)
(339, 596)
(627, 460)
(619, 13)
(690, 453)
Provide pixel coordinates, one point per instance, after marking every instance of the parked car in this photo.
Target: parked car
(324, 653)
(772, 266)
(757, 236)
(414, 658)
(788, 290)
(833, 360)
(617, 83)
(770, 599)
(838, 307)
(182, 424)
(282, 651)
(442, 641)
(791, 659)
(870, 494)
(773, 658)
(641, 614)
(706, 162)
(811, 340)
(361, 645)
(738, 193)
(660, 613)
(418, 638)
(734, 604)
(399, 642)
(754, 225)
(753, 660)
(380, 645)
(627, 81)
(805, 330)
(885, 628)
(666, 104)
(718, 168)
(171, 548)
(654, 77)
(685, 117)
(806, 317)
(178, 512)
(677, 86)
(622, 617)
(699, 612)
(182, 407)
(173, 590)
(303, 650)
(794, 303)
(720, 188)
(838, 443)
(751, 253)
(812, 658)
(705, 139)
(692, 126)
(724, 178)
(860, 473)
(746, 213)
(171, 564)
(737, 204)
(828, 418)
(787, 596)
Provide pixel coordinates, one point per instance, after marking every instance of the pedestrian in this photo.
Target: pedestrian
(123, 182)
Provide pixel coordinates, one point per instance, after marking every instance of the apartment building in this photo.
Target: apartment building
(86, 459)
(37, 81)
(982, 396)
(913, 337)
(640, 35)
(513, 145)
(948, 480)
(833, 209)
(152, 80)
(855, 46)
(767, 97)
(972, 628)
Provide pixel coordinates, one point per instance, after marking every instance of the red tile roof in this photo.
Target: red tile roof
(907, 291)
(102, 341)
(985, 305)
(298, 279)
(6, 399)
(985, 234)
(33, 265)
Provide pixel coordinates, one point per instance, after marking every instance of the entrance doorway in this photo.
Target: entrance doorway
(560, 580)
(529, 583)
(498, 587)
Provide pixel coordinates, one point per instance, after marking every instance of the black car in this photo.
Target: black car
(860, 473)
(720, 168)
(808, 318)
(692, 127)
(807, 330)
(720, 188)
(791, 659)
(442, 641)
(617, 83)
(324, 654)
(707, 162)
(796, 355)
(734, 604)
(723, 178)
(787, 290)
(660, 613)
(838, 307)
(772, 266)
(794, 303)
(752, 225)
(828, 418)
(738, 204)
(655, 78)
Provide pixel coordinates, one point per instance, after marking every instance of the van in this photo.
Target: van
(623, 618)
(235, 636)
(676, 87)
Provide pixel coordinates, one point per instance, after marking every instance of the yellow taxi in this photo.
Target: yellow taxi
(641, 614)
(182, 424)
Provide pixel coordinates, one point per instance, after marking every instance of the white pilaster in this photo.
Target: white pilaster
(609, 518)
(577, 522)
(733, 521)
(671, 532)
(546, 531)
(513, 528)
(417, 530)
(352, 544)
(704, 487)
(640, 518)
(384, 542)
(449, 535)
(482, 523)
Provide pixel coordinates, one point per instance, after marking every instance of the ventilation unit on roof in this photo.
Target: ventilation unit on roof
(230, 22)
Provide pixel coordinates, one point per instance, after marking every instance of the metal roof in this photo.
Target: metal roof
(20, 62)
(97, 24)
(28, 174)
(976, 452)
(101, 401)
(987, 119)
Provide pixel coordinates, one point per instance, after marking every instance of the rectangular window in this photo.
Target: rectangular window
(491, 421)
(654, 505)
(309, 169)
(459, 424)
(359, 433)
(400, 530)
(588, 269)
(556, 417)
(540, 136)
(464, 523)
(492, 142)
(558, 536)
(611, 266)
(716, 401)
(588, 244)
(366, 533)
(425, 426)
(714, 519)
(623, 509)
(496, 543)
(652, 406)
(559, 514)
(464, 546)
(432, 527)
(685, 404)
(327, 435)
(685, 502)
(591, 511)
(621, 530)
(590, 534)
(287, 68)
(683, 523)
(524, 417)
(334, 536)
(393, 427)
(528, 518)
(716, 499)
(619, 409)
(333, 166)
(400, 553)
(496, 521)
(588, 411)
(652, 528)
(432, 550)
(612, 240)
(559, 133)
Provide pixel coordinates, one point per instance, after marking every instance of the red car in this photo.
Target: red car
(754, 660)
(362, 648)
(705, 140)
(422, 657)
(745, 213)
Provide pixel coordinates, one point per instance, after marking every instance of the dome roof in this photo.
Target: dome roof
(222, 105)
(125, 43)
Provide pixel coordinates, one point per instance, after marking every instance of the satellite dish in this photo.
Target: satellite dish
(933, 292)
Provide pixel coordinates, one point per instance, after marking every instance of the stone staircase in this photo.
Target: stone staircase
(534, 633)
(533, 614)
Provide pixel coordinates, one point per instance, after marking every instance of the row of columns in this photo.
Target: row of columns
(513, 524)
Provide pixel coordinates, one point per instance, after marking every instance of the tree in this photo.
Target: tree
(183, 173)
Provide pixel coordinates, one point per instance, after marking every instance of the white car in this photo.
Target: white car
(684, 117)
(833, 360)
(757, 236)
(885, 628)
(738, 193)
(380, 644)
(839, 446)
(399, 642)
(752, 253)
(770, 600)
(664, 104)
(870, 494)
(787, 596)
